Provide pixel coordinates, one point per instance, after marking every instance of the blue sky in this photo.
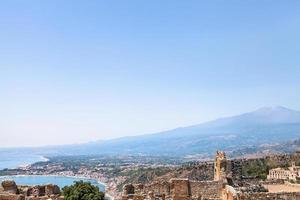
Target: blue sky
(77, 71)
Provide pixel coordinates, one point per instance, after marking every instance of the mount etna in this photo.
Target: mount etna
(268, 126)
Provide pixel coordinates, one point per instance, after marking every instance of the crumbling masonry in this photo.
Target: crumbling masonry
(228, 184)
(10, 191)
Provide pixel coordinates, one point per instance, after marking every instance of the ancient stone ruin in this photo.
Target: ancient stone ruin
(177, 189)
(227, 184)
(10, 191)
(10, 187)
(220, 166)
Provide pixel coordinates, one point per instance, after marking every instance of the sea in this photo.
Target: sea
(61, 181)
(13, 160)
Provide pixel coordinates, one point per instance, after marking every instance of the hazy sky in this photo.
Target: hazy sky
(77, 71)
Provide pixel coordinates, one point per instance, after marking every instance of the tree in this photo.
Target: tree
(82, 191)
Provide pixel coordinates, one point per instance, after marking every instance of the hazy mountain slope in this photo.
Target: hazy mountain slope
(266, 125)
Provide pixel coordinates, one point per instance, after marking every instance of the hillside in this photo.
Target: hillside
(267, 125)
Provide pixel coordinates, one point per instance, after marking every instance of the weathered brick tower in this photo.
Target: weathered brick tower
(220, 166)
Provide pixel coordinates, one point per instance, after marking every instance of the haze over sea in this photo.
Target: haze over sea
(10, 159)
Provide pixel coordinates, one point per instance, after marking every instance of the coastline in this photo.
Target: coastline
(54, 175)
(110, 197)
(44, 159)
(107, 195)
(41, 159)
(14, 162)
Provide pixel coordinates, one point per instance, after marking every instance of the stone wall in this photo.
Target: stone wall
(162, 187)
(9, 187)
(229, 182)
(38, 192)
(180, 189)
(206, 189)
(175, 189)
(270, 196)
(7, 196)
(229, 193)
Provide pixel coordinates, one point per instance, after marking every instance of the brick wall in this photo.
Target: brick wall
(206, 189)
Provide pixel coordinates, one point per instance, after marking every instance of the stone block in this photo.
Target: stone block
(9, 186)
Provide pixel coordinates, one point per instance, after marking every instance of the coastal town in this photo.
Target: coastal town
(112, 173)
(220, 179)
(149, 100)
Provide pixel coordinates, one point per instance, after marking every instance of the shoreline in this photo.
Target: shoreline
(45, 159)
(54, 175)
(16, 165)
(110, 197)
(41, 159)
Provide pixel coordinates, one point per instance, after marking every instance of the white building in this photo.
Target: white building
(291, 173)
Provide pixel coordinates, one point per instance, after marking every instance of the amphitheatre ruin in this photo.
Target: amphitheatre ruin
(227, 183)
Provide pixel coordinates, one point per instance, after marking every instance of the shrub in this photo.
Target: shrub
(82, 191)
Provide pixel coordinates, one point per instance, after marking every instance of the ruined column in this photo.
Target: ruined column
(220, 166)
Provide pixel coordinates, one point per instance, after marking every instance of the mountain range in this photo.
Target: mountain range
(266, 125)
(266, 129)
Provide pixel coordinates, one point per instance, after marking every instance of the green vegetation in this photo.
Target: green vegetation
(256, 167)
(260, 167)
(82, 191)
(294, 182)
